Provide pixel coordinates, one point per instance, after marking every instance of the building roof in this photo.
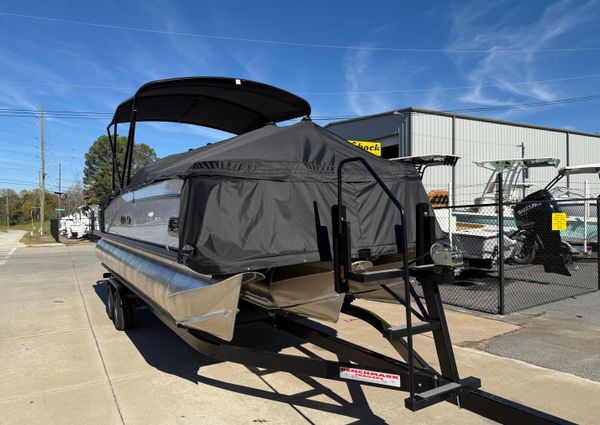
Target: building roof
(462, 116)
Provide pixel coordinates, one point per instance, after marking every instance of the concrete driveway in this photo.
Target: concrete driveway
(9, 242)
(62, 361)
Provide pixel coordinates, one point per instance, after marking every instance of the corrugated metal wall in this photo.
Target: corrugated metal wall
(584, 150)
(432, 134)
(425, 132)
(482, 140)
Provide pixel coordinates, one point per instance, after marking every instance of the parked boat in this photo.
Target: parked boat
(483, 215)
(514, 173)
(246, 217)
(81, 223)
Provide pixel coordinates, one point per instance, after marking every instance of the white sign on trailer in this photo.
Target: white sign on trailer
(363, 375)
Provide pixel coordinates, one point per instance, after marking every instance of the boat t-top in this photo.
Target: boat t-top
(512, 171)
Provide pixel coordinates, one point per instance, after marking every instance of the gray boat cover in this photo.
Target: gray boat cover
(259, 200)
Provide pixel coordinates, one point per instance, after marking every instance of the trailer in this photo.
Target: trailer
(409, 373)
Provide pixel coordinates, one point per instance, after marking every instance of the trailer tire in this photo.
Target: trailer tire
(110, 301)
(122, 312)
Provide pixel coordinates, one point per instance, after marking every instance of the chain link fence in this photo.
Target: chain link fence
(518, 255)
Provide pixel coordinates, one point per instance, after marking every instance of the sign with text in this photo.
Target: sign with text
(370, 376)
(371, 147)
(559, 221)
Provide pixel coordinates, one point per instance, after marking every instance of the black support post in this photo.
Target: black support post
(425, 234)
(441, 335)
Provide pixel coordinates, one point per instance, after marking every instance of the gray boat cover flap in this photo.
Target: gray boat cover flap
(259, 200)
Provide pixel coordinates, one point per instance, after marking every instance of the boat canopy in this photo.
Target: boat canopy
(503, 164)
(263, 199)
(580, 169)
(573, 170)
(228, 104)
(421, 162)
(430, 159)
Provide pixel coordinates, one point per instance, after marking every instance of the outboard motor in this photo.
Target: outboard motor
(536, 241)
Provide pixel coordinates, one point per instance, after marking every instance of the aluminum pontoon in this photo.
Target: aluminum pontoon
(279, 225)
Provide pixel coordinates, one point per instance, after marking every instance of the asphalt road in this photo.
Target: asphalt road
(564, 335)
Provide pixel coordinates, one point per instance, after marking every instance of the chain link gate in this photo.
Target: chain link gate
(511, 264)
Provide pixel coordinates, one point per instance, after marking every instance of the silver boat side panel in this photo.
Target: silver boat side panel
(193, 300)
(144, 213)
(306, 290)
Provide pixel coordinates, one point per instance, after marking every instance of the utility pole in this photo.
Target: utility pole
(43, 175)
(59, 191)
(7, 217)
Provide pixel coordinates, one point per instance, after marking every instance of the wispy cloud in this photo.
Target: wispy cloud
(476, 26)
(361, 76)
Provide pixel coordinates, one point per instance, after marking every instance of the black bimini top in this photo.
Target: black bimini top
(229, 104)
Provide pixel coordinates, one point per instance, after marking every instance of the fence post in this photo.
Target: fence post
(586, 213)
(501, 307)
(598, 240)
(449, 211)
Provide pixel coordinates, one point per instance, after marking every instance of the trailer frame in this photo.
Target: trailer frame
(425, 385)
(360, 360)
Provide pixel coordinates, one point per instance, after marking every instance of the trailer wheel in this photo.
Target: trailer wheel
(122, 312)
(110, 302)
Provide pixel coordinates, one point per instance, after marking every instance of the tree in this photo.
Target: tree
(73, 197)
(97, 173)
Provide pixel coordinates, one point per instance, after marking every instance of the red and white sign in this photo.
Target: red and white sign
(370, 376)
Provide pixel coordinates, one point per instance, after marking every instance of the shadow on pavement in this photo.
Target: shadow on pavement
(164, 350)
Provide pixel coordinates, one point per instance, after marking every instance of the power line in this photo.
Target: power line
(19, 184)
(17, 181)
(12, 113)
(486, 108)
(23, 121)
(438, 89)
(530, 105)
(107, 115)
(17, 152)
(296, 44)
(18, 134)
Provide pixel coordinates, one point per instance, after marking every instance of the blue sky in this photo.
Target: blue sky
(346, 58)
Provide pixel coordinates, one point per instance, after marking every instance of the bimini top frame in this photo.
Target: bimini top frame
(574, 170)
(233, 105)
(421, 162)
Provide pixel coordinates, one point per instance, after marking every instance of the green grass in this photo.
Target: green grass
(27, 226)
(34, 238)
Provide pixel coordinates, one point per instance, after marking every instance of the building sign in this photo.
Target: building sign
(559, 221)
(371, 147)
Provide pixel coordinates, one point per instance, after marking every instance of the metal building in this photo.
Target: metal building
(414, 131)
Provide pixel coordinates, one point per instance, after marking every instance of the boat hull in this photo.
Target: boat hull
(193, 300)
